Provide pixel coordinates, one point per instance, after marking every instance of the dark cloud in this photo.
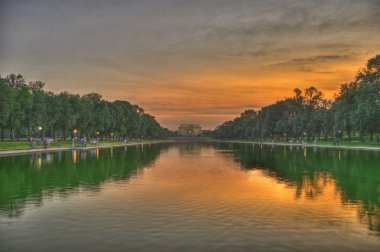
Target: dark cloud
(301, 62)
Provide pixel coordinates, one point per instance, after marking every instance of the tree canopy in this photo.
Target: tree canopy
(27, 110)
(355, 112)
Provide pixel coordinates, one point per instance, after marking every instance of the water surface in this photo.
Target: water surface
(191, 197)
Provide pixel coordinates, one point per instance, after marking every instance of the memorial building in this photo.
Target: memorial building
(189, 130)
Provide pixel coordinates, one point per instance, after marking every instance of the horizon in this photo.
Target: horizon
(201, 62)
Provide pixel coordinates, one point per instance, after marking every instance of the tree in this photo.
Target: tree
(355, 111)
(27, 108)
(6, 102)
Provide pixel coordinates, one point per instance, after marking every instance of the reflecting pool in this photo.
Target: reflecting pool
(191, 197)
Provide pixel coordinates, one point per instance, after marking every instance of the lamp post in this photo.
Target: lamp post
(40, 131)
(304, 137)
(340, 135)
(97, 138)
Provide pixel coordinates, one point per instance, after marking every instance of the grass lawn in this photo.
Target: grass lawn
(22, 144)
(342, 143)
(352, 143)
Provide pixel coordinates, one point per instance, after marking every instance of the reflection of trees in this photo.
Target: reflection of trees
(189, 148)
(32, 177)
(371, 216)
(356, 173)
(312, 187)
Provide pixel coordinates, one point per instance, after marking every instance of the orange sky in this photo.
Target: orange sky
(189, 61)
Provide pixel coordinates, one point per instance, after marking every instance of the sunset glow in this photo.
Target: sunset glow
(189, 61)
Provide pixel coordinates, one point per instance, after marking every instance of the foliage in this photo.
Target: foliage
(27, 110)
(355, 112)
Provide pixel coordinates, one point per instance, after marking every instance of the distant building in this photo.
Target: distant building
(189, 130)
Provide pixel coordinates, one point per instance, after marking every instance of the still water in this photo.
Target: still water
(191, 197)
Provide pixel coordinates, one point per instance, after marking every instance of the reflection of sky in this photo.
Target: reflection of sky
(230, 55)
(204, 198)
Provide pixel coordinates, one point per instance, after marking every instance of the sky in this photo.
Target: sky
(189, 61)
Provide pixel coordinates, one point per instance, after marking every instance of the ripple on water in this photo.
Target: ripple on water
(203, 199)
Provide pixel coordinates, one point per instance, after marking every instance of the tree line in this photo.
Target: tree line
(354, 114)
(27, 110)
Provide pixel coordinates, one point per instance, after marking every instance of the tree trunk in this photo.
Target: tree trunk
(2, 133)
(361, 136)
(12, 134)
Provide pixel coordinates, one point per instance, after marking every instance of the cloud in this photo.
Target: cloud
(313, 60)
(188, 59)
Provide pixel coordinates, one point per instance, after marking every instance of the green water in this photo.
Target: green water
(191, 197)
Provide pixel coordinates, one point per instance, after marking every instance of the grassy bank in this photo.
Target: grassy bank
(350, 143)
(342, 144)
(24, 145)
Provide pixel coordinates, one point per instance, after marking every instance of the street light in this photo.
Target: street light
(40, 130)
(340, 134)
(304, 135)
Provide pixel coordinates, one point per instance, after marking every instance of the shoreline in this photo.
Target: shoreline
(57, 149)
(342, 147)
